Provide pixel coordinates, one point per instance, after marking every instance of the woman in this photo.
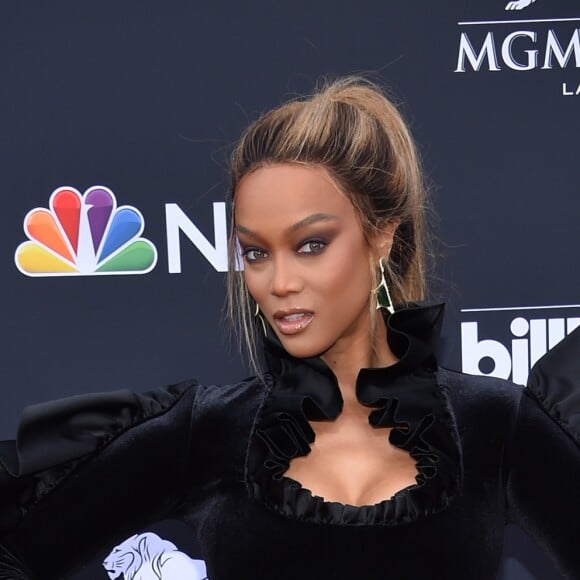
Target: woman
(281, 475)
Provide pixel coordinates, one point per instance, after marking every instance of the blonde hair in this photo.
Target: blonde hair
(350, 127)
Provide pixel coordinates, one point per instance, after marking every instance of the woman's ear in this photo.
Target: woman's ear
(384, 238)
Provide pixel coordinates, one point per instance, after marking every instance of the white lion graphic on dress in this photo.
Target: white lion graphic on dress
(149, 557)
(518, 4)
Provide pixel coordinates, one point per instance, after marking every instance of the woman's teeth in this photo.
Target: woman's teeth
(294, 316)
(294, 323)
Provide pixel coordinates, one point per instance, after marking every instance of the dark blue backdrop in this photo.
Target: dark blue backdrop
(146, 99)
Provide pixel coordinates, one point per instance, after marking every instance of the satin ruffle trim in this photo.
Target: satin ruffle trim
(554, 381)
(406, 396)
(53, 437)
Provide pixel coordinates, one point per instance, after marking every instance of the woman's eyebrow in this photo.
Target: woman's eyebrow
(309, 220)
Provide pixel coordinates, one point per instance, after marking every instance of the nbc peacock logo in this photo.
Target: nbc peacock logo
(84, 235)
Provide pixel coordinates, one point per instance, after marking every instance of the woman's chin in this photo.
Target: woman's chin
(302, 347)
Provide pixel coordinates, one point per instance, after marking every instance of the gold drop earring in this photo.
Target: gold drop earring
(259, 316)
(382, 292)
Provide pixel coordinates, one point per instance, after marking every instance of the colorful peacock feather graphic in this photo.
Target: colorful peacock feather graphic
(84, 235)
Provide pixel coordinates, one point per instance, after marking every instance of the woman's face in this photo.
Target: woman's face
(306, 262)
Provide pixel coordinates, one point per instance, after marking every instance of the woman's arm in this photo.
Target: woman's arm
(543, 484)
(86, 472)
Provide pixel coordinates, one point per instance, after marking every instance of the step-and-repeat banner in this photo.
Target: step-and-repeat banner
(126, 111)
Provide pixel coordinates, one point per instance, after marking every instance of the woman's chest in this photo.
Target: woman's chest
(351, 463)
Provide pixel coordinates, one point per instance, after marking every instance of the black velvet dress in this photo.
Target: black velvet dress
(87, 471)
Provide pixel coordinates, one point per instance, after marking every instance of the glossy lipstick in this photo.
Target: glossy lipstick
(292, 321)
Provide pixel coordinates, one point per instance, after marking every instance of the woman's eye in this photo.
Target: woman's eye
(312, 247)
(253, 254)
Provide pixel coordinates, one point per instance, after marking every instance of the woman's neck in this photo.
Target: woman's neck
(355, 351)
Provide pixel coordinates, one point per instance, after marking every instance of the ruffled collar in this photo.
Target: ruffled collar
(412, 334)
(405, 396)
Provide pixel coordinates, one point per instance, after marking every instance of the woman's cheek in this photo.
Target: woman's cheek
(252, 283)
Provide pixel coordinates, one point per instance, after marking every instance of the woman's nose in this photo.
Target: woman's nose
(285, 278)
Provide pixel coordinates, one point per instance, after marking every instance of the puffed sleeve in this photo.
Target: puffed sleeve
(543, 483)
(85, 472)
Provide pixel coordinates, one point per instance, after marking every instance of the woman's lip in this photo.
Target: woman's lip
(289, 311)
(293, 322)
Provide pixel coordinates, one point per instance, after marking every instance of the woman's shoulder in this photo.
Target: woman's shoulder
(478, 388)
(114, 429)
(251, 388)
(224, 408)
(552, 389)
(57, 431)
